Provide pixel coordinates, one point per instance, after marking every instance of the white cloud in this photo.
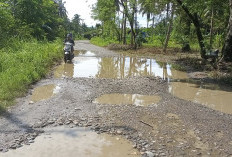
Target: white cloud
(82, 8)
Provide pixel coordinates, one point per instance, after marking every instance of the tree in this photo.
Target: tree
(7, 23)
(76, 24)
(168, 34)
(227, 48)
(195, 19)
(61, 8)
(130, 10)
(105, 11)
(39, 18)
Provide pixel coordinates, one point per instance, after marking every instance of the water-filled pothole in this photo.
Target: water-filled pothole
(84, 53)
(214, 96)
(114, 67)
(211, 95)
(44, 92)
(128, 99)
(73, 142)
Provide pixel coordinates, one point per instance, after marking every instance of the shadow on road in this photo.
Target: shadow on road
(12, 119)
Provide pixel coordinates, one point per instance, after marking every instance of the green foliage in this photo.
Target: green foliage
(24, 63)
(41, 19)
(102, 41)
(105, 11)
(6, 22)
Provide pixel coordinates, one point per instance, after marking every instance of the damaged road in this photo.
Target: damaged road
(170, 127)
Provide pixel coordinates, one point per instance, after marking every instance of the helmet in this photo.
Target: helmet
(69, 36)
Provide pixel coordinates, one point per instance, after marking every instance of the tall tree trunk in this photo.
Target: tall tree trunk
(102, 28)
(211, 28)
(167, 15)
(227, 48)
(153, 24)
(131, 21)
(196, 23)
(124, 4)
(169, 30)
(148, 19)
(132, 32)
(124, 30)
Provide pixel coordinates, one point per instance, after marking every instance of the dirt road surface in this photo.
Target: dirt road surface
(171, 127)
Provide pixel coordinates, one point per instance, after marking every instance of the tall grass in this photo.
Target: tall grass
(102, 41)
(23, 63)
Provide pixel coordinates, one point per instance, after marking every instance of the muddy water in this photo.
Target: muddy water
(115, 67)
(44, 92)
(128, 99)
(84, 53)
(211, 95)
(86, 65)
(73, 142)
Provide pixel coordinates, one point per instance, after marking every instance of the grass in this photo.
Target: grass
(102, 41)
(23, 63)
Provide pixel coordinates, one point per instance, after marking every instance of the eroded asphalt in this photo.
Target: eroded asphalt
(173, 127)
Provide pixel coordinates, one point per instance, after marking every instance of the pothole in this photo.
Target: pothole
(84, 53)
(44, 92)
(72, 142)
(112, 67)
(128, 99)
(180, 85)
(210, 95)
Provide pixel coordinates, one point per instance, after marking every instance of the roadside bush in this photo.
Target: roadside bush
(102, 41)
(23, 64)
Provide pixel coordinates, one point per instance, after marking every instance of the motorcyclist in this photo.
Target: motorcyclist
(70, 40)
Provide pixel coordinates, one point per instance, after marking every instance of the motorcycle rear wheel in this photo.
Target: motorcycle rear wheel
(65, 58)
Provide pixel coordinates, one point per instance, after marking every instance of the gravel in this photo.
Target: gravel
(173, 127)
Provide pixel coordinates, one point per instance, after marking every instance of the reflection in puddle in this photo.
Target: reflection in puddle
(115, 67)
(84, 53)
(207, 94)
(75, 142)
(212, 95)
(44, 92)
(64, 70)
(128, 99)
(218, 98)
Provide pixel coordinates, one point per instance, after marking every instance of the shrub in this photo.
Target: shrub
(23, 64)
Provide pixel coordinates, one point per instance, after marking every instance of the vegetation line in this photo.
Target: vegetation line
(24, 64)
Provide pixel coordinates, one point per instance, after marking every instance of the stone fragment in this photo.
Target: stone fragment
(149, 154)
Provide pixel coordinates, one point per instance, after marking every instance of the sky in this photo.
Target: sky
(83, 8)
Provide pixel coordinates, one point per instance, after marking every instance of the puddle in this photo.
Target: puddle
(127, 99)
(64, 70)
(84, 53)
(210, 95)
(86, 65)
(115, 67)
(44, 92)
(73, 142)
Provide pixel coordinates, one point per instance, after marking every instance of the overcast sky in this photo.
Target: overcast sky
(83, 8)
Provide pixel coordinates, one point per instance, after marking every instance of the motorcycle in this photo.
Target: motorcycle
(68, 54)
